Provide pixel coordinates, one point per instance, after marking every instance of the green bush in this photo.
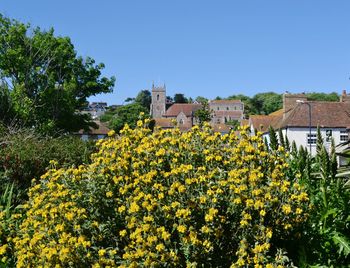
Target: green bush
(25, 155)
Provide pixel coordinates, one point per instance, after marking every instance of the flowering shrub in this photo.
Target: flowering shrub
(165, 198)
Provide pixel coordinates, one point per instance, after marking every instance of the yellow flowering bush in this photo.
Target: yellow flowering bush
(164, 198)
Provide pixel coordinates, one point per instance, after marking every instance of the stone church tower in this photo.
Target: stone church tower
(158, 101)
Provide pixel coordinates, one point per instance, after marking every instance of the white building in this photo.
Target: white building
(299, 119)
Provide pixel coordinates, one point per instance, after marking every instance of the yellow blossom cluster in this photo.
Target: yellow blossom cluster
(163, 198)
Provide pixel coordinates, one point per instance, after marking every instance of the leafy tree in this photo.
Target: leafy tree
(314, 96)
(201, 99)
(6, 109)
(127, 114)
(204, 114)
(144, 98)
(47, 80)
(266, 103)
(180, 98)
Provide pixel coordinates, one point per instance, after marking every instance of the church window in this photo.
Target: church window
(157, 97)
(181, 121)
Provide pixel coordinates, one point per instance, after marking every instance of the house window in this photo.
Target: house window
(218, 108)
(157, 97)
(328, 135)
(344, 135)
(227, 108)
(311, 139)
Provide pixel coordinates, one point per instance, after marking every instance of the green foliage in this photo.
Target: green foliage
(314, 96)
(266, 103)
(201, 99)
(6, 223)
(6, 109)
(25, 155)
(144, 98)
(47, 81)
(180, 98)
(203, 114)
(273, 139)
(127, 114)
(324, 239)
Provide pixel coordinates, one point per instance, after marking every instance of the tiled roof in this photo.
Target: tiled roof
(224, 101)
(223, 128)
(323, 114)
(164, 122)
(277, 113)
(244, 122)
(187, 108)
(263, 122)
(101, 130)
(236, 113)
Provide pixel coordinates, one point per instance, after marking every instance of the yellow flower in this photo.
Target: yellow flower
(286, 209)
(101, 252)
(181, 228)
(109, 194)
(160, 247)
(123, 233)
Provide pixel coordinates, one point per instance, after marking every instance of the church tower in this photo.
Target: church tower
(158, 101)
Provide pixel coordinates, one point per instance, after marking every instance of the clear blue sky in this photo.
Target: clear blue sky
(207, 48)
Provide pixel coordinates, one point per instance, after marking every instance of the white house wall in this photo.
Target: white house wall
(299, 136)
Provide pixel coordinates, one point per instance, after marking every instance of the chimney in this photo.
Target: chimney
(290, 101)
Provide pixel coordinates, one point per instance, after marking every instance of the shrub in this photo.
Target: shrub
(25, 155)
(164, 199)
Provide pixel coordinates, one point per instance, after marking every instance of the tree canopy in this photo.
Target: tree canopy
(180, 98)
(47, 81)
(126, 114)
(144, 98)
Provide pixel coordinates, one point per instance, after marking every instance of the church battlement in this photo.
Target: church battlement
(158, 88)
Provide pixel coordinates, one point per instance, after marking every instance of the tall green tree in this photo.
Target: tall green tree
(204, 114)
(144, 98)
(48, 81)
(317, 96)
(266, 103)
(127, 114)
(180, 98)
(201, 99)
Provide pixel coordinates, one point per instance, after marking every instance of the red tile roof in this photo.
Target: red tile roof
(187, 108)
(323, 114)
(229, 113)
(223, 128)
(101, 129)
(164, 122)
(224, 101)
(263, 122)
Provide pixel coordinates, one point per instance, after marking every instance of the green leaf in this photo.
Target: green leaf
(342, 242)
